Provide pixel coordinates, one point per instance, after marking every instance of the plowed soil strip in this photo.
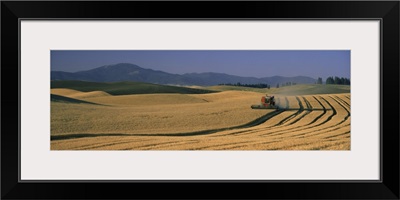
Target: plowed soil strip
(220, 145)
(272, 122)
(165, 146)
(345, 104)
(285, 145)
(250, 146)
(314, 102)
(299, 117)
(82, 143)
(346, 116)
(307, 103)
(293, 102)
(141, 147)
(318, 146)
(288, 128)
(323, 113)
(337, 135)
(92, 147)
(325, 120)
(321, 122)
(323, 133)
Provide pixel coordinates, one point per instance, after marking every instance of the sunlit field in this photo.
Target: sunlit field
(309, 118)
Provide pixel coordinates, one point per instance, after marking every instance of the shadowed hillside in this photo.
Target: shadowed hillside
(63, 99)
(125, 88)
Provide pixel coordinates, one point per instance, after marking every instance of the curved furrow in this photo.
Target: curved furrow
(330, 105)
(87, 143)
(342, 147)
(223, 145)
(207, 143)
(342, 105)
(319, 146)
(93, 143)
(345, 98)
(307, 103)
(338, 123)
(314, 103)
(343, 136)
(288, 128)
(324, 111)
(274, 121)
(81, 142)
(297, 117)
(324, 123)
(299, 144)
(286, 122)
(316, 118)
(312, 118)
(152, 144)
(319, 133)
(171, 145)
(323, 120)
(339, 135)
(267, 124)
(292, 116)
(324, 133)
(309, 108)
(302, 144)
(105, 145)
(286, 145)
(345, 104)
(251, 146)
(348, 114)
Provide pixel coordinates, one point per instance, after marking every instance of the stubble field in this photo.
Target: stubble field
(214, 121)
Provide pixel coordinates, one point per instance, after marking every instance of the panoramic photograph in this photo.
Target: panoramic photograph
(200, 100)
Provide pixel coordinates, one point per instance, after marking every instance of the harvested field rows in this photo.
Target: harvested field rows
(216, 121)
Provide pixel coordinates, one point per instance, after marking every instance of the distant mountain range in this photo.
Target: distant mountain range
(131, 72)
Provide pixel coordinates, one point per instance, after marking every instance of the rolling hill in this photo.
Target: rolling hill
(125, 88)
(130, 72)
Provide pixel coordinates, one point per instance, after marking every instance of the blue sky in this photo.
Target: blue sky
(249, 63)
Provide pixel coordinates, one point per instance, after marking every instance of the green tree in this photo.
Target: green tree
(319, 81)
(330, 80)
(338, 81)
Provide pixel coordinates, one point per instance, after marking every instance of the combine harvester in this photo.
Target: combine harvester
(267, 102)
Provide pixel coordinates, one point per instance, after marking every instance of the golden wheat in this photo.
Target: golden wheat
(217, 121)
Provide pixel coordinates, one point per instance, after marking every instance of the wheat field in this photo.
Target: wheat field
(214, 121)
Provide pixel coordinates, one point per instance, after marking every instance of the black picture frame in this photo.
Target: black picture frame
(13, 11)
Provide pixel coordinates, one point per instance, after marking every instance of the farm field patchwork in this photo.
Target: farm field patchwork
(98, 120)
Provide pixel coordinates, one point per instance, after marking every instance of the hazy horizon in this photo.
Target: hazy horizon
(245, 63)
